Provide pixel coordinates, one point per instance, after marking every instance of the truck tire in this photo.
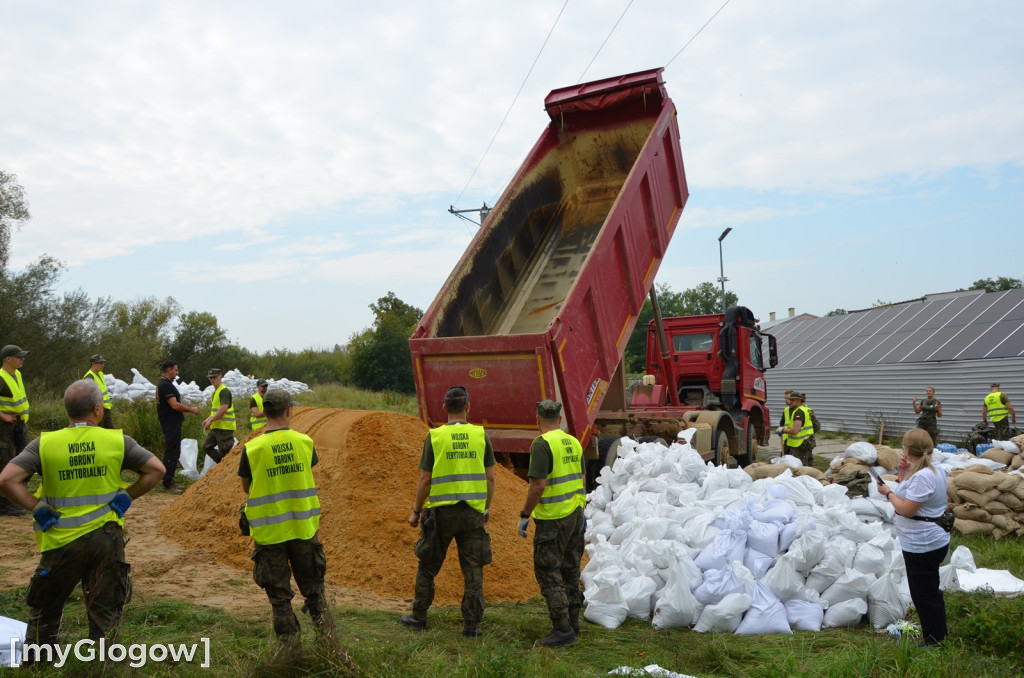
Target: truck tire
(749, 455)
(608, 448)
(653, 439)
(720, 446)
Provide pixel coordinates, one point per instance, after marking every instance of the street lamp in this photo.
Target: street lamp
(721, 265)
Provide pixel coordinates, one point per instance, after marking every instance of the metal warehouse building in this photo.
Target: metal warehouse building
(860, 368)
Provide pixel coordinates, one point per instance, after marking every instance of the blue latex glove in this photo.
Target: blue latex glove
(45, 516)
(120, 503)
(521, 527)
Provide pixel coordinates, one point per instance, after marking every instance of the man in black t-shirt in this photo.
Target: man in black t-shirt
(170, 410)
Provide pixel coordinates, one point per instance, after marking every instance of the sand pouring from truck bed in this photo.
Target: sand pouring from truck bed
(366, 478)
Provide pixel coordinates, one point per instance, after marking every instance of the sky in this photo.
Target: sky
(284, 165)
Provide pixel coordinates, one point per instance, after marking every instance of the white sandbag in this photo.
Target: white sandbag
(605, 604)
(787, 460)
(870, 559)
(599, 498)
(717, 585)
(963, 559)
(783, 580)
(699, 532)
(764, 537)
(725, 616)
(1006, 446)
(787, 535)
(775, 511)
(845, 614)
(11, 629)
(766, 614)
(851, 584)
(803, 615)
(807, 550)
(188, 456)
(864, 451)
(727, 546)
(676, 607)
(885, 604)
(825, 573)
(834, 496)
(637, 594)
(758, 563)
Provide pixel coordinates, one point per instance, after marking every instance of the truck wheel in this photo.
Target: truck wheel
(608, 448)
(720, 446)
(751, 442)
(653, 439)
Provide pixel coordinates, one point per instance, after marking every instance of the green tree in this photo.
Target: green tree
(703, 299)
(1000, 284)
(380, 354)
(135, 335)
(838, 311)
(197, 337)
(13, 212)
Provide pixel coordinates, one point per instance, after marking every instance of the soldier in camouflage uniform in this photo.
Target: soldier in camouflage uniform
(79, 516)
(555, 500)
(929, 409)
(1000, 412)
(453, 501)
(799, 435)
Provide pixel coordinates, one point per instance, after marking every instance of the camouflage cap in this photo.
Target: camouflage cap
(213, 372)
(97, 359)
(548, 409)
(992, 385)
(261, 382)
(276, 401)
(798, 395)
(12, 350)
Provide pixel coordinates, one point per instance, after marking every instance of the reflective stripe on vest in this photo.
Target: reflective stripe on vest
(806, 432)
(458, 473)
(81, 469)
(564, 491)
(283, 504)
(996, 409)
(102, 383)
(17, 403)
(227, 422)
(256, 423)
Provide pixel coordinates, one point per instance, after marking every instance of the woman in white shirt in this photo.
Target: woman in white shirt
(918, 500)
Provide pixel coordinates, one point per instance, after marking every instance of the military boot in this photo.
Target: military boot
(562, 637)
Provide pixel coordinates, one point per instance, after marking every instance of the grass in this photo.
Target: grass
(379, 647)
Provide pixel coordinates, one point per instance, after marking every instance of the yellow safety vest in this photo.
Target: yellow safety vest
(81, 474)
(787, 422)
(102, 383)
(256, 423)
(17, 404)
(996, 409)
(227, 422)
(458, 473)
(806, 432)
(283, 504)
(564, 492)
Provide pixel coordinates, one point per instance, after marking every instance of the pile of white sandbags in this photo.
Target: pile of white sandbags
(240, 386)
(684, 543)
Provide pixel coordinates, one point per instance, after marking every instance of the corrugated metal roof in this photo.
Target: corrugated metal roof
(978, 327)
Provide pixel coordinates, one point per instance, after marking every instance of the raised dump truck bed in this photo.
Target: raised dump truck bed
(543, 301)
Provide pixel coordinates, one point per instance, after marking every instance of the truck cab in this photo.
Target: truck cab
(713, 362)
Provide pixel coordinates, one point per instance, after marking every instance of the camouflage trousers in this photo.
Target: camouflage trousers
(557, 551)
(932, 427)
(274, 565)
(217, 444)
(1002, 429)
(97, 561)
(13, 438)
(438, 526)
(805, 453)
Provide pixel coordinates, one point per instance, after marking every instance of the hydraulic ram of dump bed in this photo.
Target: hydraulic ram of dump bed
(543, 301)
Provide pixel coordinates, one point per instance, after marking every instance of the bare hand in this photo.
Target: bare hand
(487, 517)
(414, 519)
(206, 424)
(916, 399)
(903, 466)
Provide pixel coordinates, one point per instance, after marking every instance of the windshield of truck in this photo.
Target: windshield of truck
(755, 351)
(693, 342)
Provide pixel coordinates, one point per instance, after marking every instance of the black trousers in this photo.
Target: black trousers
(172, 449)
(923, 578)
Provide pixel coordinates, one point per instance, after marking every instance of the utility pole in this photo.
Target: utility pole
(483, 211)
(721, 265)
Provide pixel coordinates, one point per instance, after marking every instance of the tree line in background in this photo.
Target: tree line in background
(62, 329)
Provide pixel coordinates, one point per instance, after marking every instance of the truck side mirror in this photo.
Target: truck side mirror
(773, 352)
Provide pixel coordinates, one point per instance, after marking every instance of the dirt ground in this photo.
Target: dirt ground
(188, 547)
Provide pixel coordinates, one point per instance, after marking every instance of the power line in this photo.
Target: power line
(696, 34)
(603, 43)
(509, 111)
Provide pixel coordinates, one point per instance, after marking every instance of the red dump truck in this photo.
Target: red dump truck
(543, 301)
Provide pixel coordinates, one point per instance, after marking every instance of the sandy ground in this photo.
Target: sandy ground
(163, 569)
